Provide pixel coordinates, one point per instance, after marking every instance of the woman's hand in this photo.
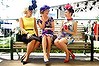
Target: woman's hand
(66, 30)
(28, 36)
(43, 20)
(47, 29)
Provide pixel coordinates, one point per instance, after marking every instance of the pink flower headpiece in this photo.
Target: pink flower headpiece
(67, 6)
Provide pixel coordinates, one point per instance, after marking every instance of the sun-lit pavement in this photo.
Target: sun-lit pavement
(56, 59)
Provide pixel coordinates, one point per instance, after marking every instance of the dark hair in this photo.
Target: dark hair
(71, 10)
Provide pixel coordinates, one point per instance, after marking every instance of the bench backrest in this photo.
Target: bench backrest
(79, 38)
(80, 30)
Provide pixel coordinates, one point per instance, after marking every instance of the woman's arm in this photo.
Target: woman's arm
(41, 25)
(52, 23)
(21, 26)
(62, 25)
(35, 26)
(52, 28)
(74, 31)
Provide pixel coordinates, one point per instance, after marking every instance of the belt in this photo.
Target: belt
(29, 29)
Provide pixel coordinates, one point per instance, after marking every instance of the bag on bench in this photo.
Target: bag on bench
(34, 37)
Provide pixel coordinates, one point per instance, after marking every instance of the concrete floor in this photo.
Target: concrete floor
(53, 62)
(36, 59)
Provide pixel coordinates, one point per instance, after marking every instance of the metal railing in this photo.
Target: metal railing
(5, 33)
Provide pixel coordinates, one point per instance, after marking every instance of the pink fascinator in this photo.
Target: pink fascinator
(67, 6)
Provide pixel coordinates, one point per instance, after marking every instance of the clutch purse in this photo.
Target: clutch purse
(34, 37)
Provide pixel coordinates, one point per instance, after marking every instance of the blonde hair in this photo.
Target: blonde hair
(25, 10)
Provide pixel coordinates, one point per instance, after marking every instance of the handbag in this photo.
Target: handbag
(34, 37)
(19, 36)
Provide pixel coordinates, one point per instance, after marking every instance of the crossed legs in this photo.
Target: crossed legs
(61, 44)
(30, 47)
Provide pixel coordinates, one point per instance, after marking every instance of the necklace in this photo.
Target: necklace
(70, 19)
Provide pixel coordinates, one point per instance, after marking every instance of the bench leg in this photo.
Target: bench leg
(92, 49)
(18, 54)
(11, 46)
(85, 47)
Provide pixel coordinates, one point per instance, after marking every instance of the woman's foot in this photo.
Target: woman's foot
(24, 62)
(45, 59)
(66, 60)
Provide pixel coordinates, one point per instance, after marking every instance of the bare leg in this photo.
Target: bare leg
(29, 49)
(96, 37)
(56, 42)
(44, 45)
(72, 55)
(70, 52)
(48, 46)
(36, 45)
(63, 45)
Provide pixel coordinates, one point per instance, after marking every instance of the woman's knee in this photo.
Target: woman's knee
(33, 41)
(49, 40)
(38, 42)
(44, 37)
(63, 40)
(48, 37)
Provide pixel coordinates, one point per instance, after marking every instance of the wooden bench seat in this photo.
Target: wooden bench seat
(74, 46)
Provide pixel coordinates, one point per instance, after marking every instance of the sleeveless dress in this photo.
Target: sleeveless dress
(47, 25)
(66, 35)
(28, 24)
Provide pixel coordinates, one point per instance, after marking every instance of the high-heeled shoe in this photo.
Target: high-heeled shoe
(66, 61)
(22, 58)
(73, 56)
(46, 60)
(24, 62)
